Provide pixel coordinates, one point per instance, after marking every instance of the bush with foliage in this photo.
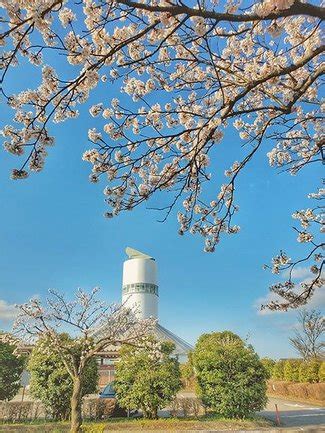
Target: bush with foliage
(268, 365)
(187, 373)
(278, 370)
(51, 383)
(309, 371)
(11, 368)
(101, 408)
(147, 378)
(231, 378)
(186, 406)
(291, 370)
(305, 391)
(14, 411)
(316, 391)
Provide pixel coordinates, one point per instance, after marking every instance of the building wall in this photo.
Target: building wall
(106, 370)
(143, 304)
(140, 287)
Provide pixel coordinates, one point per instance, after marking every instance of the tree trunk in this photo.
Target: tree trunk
(76, 406)
(150, 413)
(154, 413)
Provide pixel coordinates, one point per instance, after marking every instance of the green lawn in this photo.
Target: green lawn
(209, 422)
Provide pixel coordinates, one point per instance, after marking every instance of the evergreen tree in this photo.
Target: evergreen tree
(309, 371)
(278, 370)
(268, 365)
(231, 378)
(147, 378)
(291, 370)
(52, 384)
(11, 368)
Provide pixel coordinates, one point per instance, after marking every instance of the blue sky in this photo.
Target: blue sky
(53, 235)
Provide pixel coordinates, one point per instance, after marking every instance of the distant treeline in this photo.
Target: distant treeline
(295, 370)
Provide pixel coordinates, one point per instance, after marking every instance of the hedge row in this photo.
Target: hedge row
(305, 391)
(296, 370)
(92, 408)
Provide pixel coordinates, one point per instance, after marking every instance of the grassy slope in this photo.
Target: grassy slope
(163, 424)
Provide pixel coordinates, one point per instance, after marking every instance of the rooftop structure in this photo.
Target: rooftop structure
(140, 293)
(140, 286)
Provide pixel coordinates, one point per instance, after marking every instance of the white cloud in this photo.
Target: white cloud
(298, 273)
(8, 312)
(264, 301)
(317, 301)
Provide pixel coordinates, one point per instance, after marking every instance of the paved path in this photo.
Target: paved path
(304, 416)
(295, 414)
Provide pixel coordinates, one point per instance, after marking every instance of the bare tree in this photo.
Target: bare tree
(94, 326)
(190, 72)
(308, 340)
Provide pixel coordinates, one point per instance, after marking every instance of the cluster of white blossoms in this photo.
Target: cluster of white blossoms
(186, 75)
(319, 195)
(266, 7)
(297, 294)
(310, 219)
(93, 324)
(306, 217)
(66, 16)
(279, 261)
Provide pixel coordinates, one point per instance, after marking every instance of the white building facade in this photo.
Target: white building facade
(140, 292)
(140, 284)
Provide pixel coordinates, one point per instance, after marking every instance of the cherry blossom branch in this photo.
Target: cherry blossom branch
(297, 8)
(188, 75)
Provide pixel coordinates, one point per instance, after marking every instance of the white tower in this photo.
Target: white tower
(140, 287)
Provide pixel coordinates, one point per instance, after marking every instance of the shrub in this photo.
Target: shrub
(291, 370)
(278, 370)
(11, 368)
(101, 408)
(279, 388)
(16, 410)
(147, 378)
(316, 391)
(309, 370)
(306, 391)
(231, 378)
(297, 390)
(268, 365)
(51, 383)
(186, 406)
(321, 372)
(187, 374)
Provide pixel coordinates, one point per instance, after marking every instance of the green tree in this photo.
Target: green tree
(278, 370)
(231, 378)
(147, 378)
(268, 365)
(94, 324)
(309, 371)
(321, 372)
(50, 381)
(291, 370)
(187, 374)
(11, 368)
